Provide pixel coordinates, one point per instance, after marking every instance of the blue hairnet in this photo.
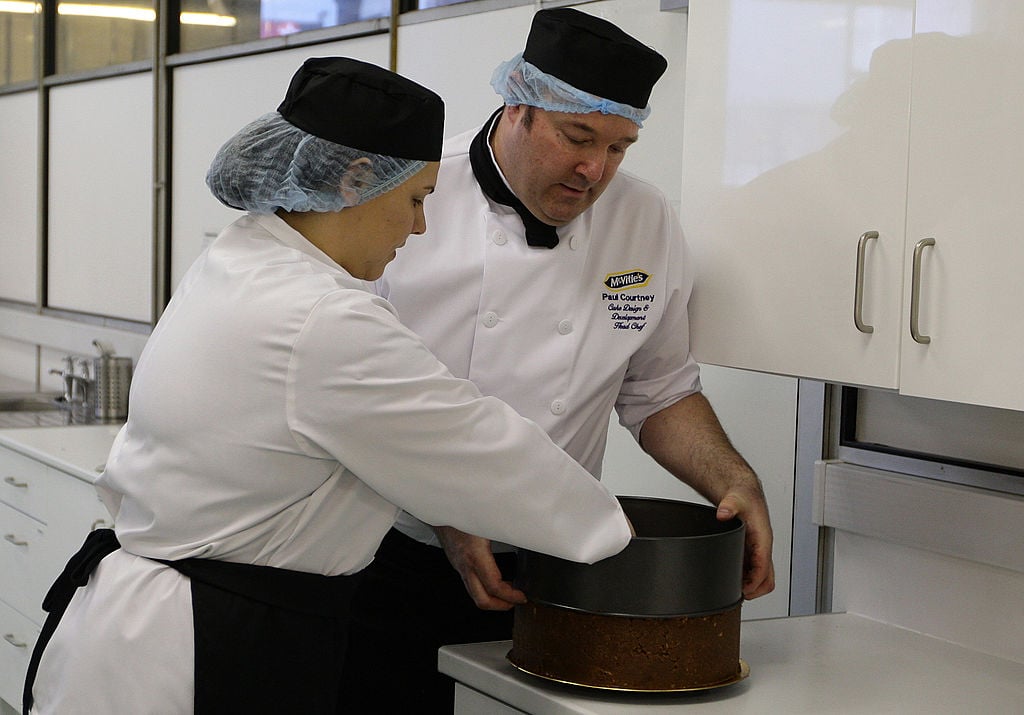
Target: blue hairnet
(271, 164)
(519, 82)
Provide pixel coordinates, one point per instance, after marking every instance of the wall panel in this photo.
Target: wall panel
(101, 197)
(18, 191)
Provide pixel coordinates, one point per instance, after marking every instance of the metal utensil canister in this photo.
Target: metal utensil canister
(113, 377)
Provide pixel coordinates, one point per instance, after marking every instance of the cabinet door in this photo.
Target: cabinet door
(18, 636)
(965, 191)
(24, 484)
(795, 146)
(23, 544)
(76, 510)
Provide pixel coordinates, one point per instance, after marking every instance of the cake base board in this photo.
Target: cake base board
(743, 671)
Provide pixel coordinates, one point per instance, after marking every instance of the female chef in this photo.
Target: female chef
(280, 417)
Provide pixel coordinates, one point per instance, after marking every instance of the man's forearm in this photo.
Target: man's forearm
(687, 439)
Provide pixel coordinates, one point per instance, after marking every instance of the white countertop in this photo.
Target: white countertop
(838, 663)
(79, 450)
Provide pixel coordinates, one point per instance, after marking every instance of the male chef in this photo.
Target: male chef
(560, 285)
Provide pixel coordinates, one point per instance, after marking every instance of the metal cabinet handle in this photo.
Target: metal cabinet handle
(858, 295)
(15, 483)
(13, 640)
(12, 539)
(915, 293)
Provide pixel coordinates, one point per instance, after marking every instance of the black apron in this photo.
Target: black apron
(267, 640)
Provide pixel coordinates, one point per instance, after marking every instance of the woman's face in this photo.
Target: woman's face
(378, 228)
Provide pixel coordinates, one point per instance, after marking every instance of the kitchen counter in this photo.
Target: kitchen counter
(837, 663)
(80, 450)
(47, 506)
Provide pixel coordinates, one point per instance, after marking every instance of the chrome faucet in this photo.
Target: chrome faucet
(76, 384)
(65, 375)
(80, 384)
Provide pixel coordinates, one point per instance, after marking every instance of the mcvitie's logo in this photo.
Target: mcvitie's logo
(627, 280)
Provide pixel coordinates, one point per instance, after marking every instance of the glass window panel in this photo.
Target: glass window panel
(424, 4)
(215, 23)
(951, 431)
(114, 32)
(17, 42)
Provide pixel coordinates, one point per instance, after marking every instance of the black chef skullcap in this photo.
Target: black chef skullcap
(593, 55)
(365, 107)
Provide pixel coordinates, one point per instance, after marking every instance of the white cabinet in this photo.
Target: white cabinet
(966, 189)
(19, 636)
(822, 143)
(45, 515)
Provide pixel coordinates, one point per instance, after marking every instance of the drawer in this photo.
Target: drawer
(77, 505)
(17, 637)
(79, 511)
(23, 548)
(24, 484)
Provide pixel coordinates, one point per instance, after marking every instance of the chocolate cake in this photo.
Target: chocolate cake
(627, 652)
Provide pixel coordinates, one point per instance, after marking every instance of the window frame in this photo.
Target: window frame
(847, 448)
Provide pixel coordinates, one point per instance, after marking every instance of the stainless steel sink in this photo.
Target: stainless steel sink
(29, 402)
(37, 409)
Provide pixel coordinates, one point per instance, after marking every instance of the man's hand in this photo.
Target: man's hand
(471, 556)
(758, 569)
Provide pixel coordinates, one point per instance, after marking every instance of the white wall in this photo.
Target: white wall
(937, 558)
(962, 601)
(19, 365)
(456, 56)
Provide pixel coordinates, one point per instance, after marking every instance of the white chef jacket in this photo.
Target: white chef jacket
(563, 334)
(281, 415)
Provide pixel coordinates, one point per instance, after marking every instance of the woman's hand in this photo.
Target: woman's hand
(471, 556)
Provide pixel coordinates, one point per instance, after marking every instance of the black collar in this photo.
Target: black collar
(538, 233)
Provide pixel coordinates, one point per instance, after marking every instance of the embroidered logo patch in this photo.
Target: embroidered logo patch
(627, 311)
(625, 281)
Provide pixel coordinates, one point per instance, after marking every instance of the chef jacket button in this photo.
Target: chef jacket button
(490, 319)
(499, 238)
(558, 407)
(565, 327)
(574, 242)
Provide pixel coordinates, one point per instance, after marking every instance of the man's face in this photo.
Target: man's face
(559, 163)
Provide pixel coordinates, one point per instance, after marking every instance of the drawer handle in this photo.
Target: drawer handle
(915, 293)
(11, 538)
(15, 483)
(858, 291)
(10, 638)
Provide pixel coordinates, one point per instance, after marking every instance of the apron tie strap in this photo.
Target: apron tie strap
(76, 574)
